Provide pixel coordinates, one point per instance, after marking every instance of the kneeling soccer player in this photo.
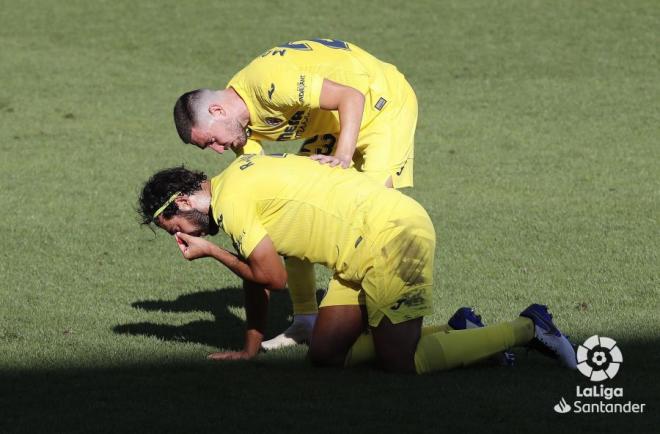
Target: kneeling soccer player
(379, 243)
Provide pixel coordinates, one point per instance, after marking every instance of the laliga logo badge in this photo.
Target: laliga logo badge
(599, 358)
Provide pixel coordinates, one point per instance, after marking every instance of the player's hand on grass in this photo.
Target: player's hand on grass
(331, 160)
(230, 355)
(193, 247)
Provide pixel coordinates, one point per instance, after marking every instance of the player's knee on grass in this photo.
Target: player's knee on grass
(335, 331)
(396, 344)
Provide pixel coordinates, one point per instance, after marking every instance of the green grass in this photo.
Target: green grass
(538, 150)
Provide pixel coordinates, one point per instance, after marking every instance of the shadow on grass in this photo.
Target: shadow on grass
(276, 393)
(225, 331)
(280, 392)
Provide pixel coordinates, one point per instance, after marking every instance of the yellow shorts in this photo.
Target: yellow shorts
(343, 293)
(398, 278)
(386, 146)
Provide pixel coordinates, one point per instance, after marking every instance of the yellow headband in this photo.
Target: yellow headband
(166, 204)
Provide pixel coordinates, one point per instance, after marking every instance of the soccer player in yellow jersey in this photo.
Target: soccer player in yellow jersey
(349, 107)
(379, 243)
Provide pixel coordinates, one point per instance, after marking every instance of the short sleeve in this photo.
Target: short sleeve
(288, 86)
(241, 223)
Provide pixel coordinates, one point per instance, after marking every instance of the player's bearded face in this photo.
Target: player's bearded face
(239, 134)
(229, 133)
(202, 223)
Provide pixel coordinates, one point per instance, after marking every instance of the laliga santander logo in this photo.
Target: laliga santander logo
(599, 358)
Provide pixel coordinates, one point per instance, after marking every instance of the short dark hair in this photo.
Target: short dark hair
(161, 186)
(184, 114)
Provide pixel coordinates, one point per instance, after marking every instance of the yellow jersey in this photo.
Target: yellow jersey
(282, 87)
(310, 211)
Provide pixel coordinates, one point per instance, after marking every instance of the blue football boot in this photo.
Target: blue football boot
(547, 337)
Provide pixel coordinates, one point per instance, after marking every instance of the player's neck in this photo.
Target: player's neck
(204, 199)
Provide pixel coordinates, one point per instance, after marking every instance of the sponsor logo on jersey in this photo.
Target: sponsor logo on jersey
(301, 89)
(296, 126)
(414, 298)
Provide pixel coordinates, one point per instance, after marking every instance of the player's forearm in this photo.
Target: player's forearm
(235, 264)
(350, 111)
(242, 269)
(253, 340)
(256, 313)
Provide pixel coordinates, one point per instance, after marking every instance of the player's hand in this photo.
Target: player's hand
(331, 160)
(193, 247)
(229, 355)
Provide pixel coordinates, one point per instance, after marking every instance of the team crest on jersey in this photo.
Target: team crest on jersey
(273, 121)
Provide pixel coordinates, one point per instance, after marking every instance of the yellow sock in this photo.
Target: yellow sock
(454, 348)
(435, 328)
(363, 349)
(302, 286)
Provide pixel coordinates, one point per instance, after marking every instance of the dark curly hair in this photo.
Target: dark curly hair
(161, 186)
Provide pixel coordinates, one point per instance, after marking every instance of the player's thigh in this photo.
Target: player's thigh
(396, 344)
(341, 319)
(335, 331)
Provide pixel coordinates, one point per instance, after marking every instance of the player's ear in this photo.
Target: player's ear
(216, 110)
(183, 202)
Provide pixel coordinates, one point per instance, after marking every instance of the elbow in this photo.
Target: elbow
(277, 284)
(361, 97)
(358, 97)
(351, 98)
(271, 283)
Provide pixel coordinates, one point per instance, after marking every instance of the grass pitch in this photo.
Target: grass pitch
(538, 158)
